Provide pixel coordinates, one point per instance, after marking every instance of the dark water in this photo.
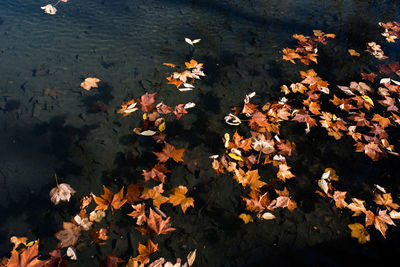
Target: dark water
(124, 44)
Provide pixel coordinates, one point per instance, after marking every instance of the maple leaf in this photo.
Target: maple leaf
(155, 194)
(381, 221)
(258, 120)
(358, 231)
(88, 83)
(62, 192)
(284, 172)
(99, 236)
(239, 142)
(157, 224)
(386, 200)
(108, 198)
(368, 76)
(146, 102)
(282, 201)
(69, 236)
(157, 173)
(55, 259)
(169, 151)
(357, 206)
(251, 178)
(139, 213)
(179, 198)
(111, 261)
(383, 122)
(128, 108)
(146, 251)
(27, 257)
(133, 193)
(339, 198)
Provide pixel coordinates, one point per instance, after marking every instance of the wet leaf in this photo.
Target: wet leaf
(179, 198)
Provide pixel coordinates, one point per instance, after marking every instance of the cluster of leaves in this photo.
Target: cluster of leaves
(358, 110)
(382, 199)
(306, 50)
(355, 112)
(193, 70)
(242, 157)
(153, 123)
(392, 30)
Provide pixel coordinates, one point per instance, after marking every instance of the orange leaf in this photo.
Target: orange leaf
(89, 83)
(353, 53)
(146, 251)
(169, 151)
(155, 194)
(116, 200)
(157, 224)
(179, 198)
(284, 172)
(27, 257)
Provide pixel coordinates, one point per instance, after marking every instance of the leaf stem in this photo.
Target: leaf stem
(55, 176)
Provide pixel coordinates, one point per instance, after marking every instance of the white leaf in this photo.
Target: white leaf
(189, 105)
(49, 9)
(187, 40)
(188, 85)
(232, 119)
(380, 188)
(185, 89)
(325, 90)
(71, 253)
(323, 185)
(148, 133)
(268, 216)
(384, 80)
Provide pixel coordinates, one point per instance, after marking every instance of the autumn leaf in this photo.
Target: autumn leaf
(69, 235)
(62, 192)
(89, 83)
(146, 102)
(157, 173)
(56, 259)
(108, 198)
(49, 9)
(339, 198)
(358, 231)
(155, 194)
(282, 201)
(169, 151)
(139, 213)
(386, 200)
(357, 206)
(146, 251)
(99, 236)
(368, 76)
(111, 261)
(27, 257)
(381, 221)
(353, 53)
(246, 218)
(156, 223)
(133, 193)
(284, 172)
(179, 198)
(169, 65)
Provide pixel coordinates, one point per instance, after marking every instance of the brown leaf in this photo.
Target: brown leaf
(381, 221)
(69, 236)
(139, 213)
(169, 151)
(146, 102)
(158, 225)
(62, 192)
(133, 193)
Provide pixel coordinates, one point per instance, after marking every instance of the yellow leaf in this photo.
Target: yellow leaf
(234, 156)
(353, 53)
(368, 100)
(145, 116)
(358, 231)
(161, 127)
(246, 218)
